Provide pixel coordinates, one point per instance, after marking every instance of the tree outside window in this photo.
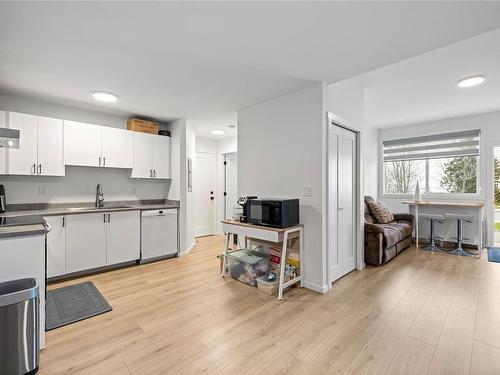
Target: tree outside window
(446, 175)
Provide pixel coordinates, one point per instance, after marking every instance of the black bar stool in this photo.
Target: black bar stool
(433, 218)
(460, 219)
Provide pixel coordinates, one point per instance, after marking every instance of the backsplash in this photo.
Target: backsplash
(79, 185)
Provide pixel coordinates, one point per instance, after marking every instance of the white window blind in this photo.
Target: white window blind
(464, 143)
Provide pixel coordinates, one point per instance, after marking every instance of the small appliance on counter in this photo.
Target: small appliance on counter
(3, 200)
(273, 212)
(243, 202)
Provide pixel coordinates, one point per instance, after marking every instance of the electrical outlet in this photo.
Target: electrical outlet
(42, 190)
(308, 191)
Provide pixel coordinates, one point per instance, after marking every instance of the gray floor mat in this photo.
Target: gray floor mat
(74, 303)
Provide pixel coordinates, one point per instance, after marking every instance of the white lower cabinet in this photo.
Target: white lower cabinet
(123, 236)
(85, 241)
(56, 246)
(81, 242)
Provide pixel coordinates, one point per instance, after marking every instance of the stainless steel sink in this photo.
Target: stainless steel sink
(106, 207)
(114, 206)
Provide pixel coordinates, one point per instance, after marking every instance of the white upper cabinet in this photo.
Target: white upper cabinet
(23, 161)
(97, 146)
(151, 156)
(82, 144)
(143, 156)
(50, 147)
(161, 156)
(40, 146)
(117, 148)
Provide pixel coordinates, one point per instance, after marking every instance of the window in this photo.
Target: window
(441, 163)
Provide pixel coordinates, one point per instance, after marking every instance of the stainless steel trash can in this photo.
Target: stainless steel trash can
(19, 327)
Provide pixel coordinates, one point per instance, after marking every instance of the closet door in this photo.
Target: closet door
(342, 202)
(347, 201)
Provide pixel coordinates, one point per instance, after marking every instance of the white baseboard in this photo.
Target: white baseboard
(317, 288)
(188, 249)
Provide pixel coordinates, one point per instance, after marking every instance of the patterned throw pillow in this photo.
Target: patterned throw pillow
(380, 212)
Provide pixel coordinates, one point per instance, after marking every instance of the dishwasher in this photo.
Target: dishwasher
(159, 234)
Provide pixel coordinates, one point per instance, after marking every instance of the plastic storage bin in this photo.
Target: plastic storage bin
(246, 265)
(266, 286)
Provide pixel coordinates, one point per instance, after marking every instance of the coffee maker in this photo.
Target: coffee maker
(3, 201)
(243, 202)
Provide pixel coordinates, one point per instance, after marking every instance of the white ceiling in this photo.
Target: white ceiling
(181, 59)
(424, 88)
(204, 124)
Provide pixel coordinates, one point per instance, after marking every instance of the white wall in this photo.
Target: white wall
(346, 99)
(79, 184)
(489, 123)
(280, 143)
(23, 104)
(206, 145)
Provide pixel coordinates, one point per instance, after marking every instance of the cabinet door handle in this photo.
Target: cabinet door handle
(104, 161)
(109, 218)
(40, 168)
(64, 221)
(104, 217)
(150, 173)
(34, 168)
(154, 173)
(99, 161)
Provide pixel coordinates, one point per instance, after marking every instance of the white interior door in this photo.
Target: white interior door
(230, 181)
(204, 193)
(50, 147)
(342, 178)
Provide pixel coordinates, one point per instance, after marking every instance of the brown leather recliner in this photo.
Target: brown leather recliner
(384, 241)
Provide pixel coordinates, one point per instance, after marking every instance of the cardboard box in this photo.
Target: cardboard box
(143, 126)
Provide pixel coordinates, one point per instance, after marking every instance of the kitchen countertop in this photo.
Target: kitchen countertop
(22, 230)
(48, 209)
(441, 203)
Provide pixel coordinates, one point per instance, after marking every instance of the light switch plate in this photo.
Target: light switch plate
(308, 191)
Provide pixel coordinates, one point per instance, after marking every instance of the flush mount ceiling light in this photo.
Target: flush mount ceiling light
(105, 96)
(471, 81)
(217, 132)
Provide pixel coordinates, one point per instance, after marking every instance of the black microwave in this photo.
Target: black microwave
(279, 213)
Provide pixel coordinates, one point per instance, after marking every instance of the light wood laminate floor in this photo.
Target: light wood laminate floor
(420, 314)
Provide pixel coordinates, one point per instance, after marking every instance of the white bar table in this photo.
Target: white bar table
(440, 204)
(269, 234)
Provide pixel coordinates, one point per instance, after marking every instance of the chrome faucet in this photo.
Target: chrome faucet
(99, 197)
